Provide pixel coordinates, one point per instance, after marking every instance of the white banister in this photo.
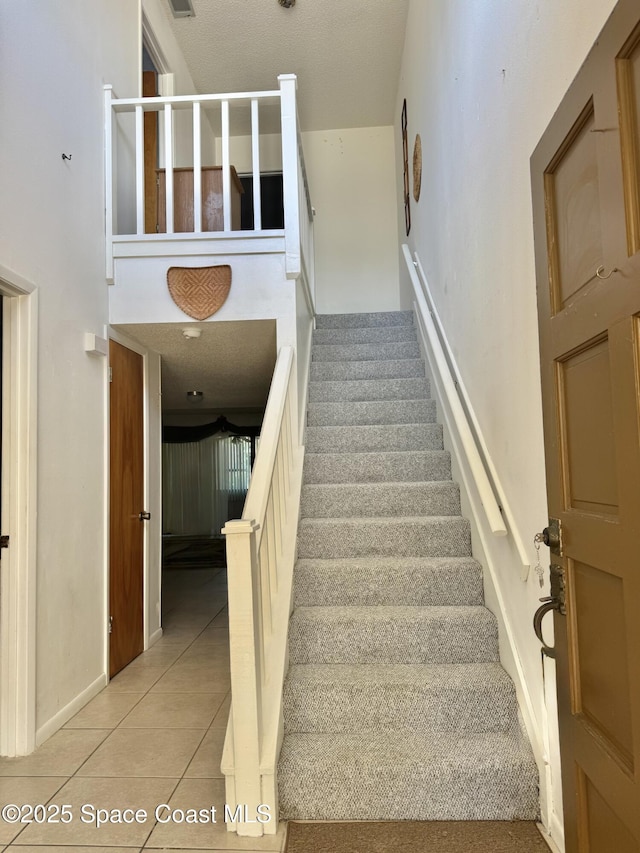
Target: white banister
(197, 170)
(441, 369)
(255, 161)
(125, 104)
(260, 559)
(226, 169)
(168, 167)
(139, 170)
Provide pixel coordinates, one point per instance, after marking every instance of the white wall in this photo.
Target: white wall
(353, 189)
(482, 79)
(54, 59)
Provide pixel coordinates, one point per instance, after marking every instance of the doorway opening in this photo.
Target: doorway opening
(18, 366)
(206, 455)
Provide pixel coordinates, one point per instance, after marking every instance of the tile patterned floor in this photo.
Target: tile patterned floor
(153, 736)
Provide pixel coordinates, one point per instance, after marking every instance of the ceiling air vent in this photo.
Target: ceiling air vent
(182, 8)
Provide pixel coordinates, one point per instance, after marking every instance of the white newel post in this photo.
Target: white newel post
(288, 86)
(245, 639)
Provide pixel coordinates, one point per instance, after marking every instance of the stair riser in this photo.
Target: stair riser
(372, 439)
(317, 584)
(337, 371)
(376, 500)
(441, 537)
(365, 352)
(357, 321)
(383, 412)
(327, 707)
(379, 335)
(362, 390)
(377, 467)
(349, 789)
(468, 639)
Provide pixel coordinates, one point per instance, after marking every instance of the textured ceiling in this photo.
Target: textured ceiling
(231, 362)
(346, 54)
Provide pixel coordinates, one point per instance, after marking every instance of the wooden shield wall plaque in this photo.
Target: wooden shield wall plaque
(199, 291)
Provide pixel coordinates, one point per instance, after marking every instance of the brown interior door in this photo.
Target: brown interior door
(126, 529)
(585, 175)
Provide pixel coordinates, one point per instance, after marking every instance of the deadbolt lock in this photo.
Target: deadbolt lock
(552, 536)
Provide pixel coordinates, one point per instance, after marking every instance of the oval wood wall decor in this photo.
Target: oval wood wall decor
(417, 167)
(199, 291)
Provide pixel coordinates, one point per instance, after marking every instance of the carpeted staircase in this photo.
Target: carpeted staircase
(395, 704)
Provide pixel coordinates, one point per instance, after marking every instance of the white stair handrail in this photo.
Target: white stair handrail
(476, 465)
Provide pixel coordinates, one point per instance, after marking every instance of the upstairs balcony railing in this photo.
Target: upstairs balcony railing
(186, 169)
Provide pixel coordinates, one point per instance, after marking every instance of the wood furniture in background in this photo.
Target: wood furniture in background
(212, 213)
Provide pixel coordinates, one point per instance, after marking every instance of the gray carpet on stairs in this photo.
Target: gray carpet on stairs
(395, 704)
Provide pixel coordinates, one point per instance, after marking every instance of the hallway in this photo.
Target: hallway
(153, 736)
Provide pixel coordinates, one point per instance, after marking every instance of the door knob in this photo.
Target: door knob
(555, 601)
(548, 604)
(144, 516)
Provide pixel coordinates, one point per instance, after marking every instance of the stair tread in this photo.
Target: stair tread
(364, 335)
(369, 390)
(391, 613)
(348, 697)
(411, 486)
(385, 520)
(421, 675)
(376, 580)
(347, 563)
(365, 351)
(371, 413)
(364, 319)
(371, 455)
(348, 369)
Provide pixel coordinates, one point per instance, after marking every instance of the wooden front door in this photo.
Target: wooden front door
(586, 187)
(126, 529)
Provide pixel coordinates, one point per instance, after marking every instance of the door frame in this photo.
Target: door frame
(152, 494)
(19, 496)
(544, 159)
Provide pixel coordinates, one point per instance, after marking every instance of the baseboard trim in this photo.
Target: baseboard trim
(70, 710)
(554, 834)
(155, 637)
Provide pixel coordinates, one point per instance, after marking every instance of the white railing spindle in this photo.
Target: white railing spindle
(168, 167)
(197, 169)
(255, 161)
(139, 170)
(226, 169)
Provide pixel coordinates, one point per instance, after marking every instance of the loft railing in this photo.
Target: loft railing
(260, 559)
(194, 129)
